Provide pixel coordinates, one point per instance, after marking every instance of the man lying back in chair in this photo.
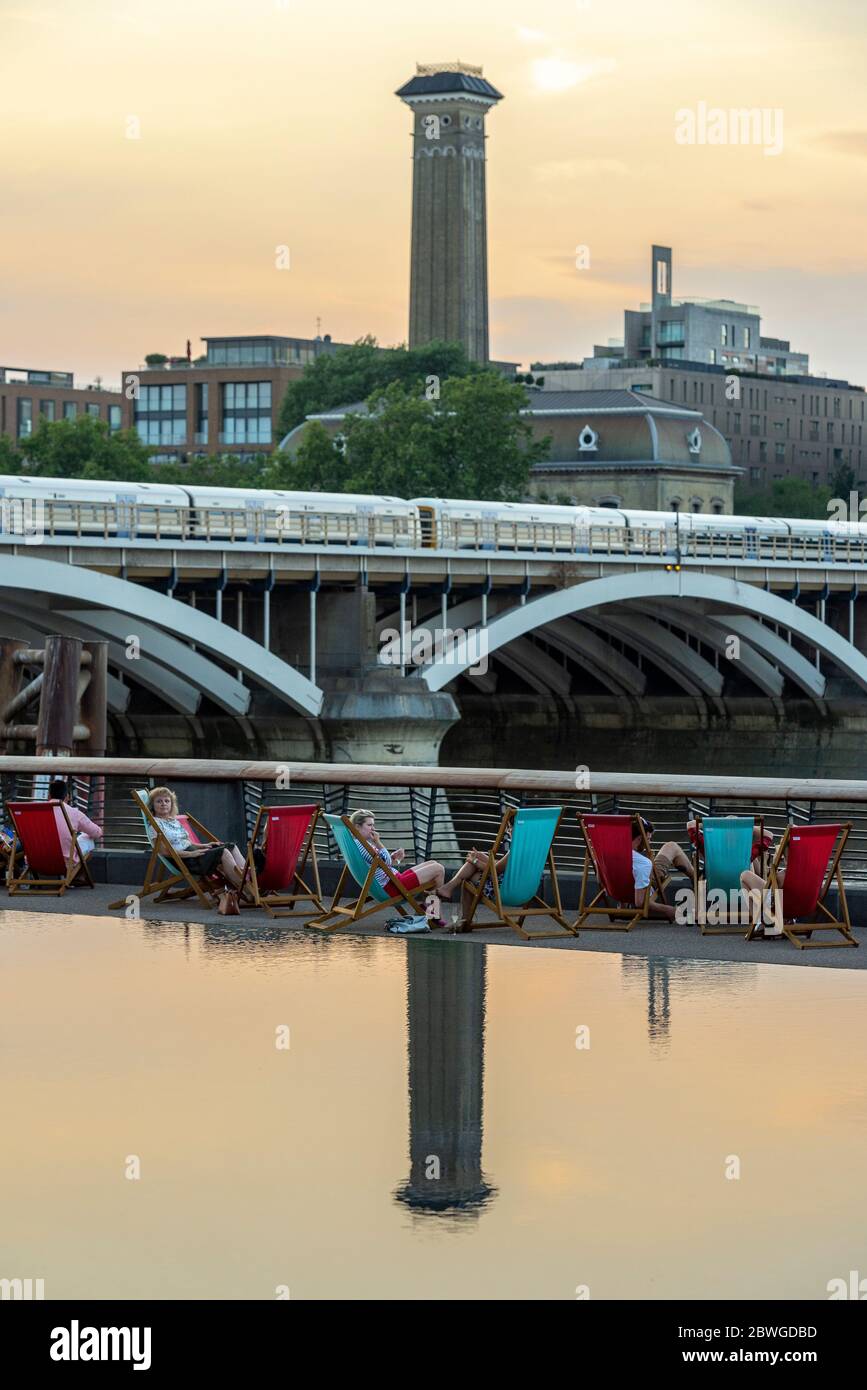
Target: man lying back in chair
(669, 858)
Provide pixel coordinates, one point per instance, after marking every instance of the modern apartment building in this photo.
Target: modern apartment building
(226, 403)
(28, 394)
(720, 332)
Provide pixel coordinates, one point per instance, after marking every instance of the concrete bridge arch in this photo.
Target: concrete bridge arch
(746, 602)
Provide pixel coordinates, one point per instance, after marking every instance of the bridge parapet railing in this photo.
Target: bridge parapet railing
(698, 538)
(434, 813)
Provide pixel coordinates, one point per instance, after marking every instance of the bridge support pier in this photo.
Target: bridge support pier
(379, 717)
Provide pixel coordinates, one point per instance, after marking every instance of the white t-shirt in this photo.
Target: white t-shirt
(641, 867)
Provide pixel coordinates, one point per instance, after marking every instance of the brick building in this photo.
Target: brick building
(28, 394)
(226, 404)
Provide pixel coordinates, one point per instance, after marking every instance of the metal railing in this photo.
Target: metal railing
(440, 813)
(129, 523)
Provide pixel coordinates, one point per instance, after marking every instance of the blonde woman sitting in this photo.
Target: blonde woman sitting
(216, 857)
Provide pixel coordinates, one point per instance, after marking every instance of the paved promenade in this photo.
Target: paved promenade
(651, 940)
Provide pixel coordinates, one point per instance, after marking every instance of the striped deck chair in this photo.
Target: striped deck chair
(46, 868)
(608, 841)
(167, 875)
(355, 866)
(516, 896)
(288, 846)
(724, 847)
(813, 854)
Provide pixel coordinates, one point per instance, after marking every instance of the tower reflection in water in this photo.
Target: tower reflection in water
(699, 979)
(446, 1030)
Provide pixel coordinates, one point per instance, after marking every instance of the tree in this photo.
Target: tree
(10, 459)
(842, 481)
(472, 442)
(156, 359)
(84, 448)
(351, 374)
(793, 497)
(318, 466)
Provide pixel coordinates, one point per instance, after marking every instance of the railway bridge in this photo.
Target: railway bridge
(362, 653)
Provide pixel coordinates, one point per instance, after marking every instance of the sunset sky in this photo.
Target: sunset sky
(275, 123)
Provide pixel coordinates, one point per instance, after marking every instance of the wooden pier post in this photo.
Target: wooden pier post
(55, 734)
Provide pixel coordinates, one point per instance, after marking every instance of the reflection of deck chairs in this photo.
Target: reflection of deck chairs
(289, 844)
(724, 847)
(37, 834)
(532, 830)
(812, 854)
(168, 875)
(355, 865)
(608, 841)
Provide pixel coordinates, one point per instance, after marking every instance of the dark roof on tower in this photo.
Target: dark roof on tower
(440, 83)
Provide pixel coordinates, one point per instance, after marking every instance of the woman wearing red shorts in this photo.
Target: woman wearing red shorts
(429, 875)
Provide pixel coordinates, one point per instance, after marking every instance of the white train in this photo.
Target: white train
(72, 508)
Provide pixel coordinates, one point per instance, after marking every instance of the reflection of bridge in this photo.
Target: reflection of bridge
(265, 628)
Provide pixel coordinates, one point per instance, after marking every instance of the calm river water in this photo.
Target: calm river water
(374, 1119)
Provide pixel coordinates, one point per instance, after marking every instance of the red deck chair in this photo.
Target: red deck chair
(46, 869)
(289, 844)
(812, 854)
(609, 847)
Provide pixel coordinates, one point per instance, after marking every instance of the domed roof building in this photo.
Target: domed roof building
(627, 449)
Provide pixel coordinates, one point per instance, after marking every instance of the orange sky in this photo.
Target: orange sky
(274, 123)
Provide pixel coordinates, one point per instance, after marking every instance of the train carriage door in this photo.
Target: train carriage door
(428, 524)
(751, 543)
(365, 520)
(255, 518)
(826, 545)
(488, 529)
(126, 515)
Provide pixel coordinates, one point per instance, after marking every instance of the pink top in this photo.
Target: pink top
(80, 824)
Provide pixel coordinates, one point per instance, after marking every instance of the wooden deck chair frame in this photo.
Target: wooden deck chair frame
(168, 886)
(50, 887)
(8, 855)
(515, 917)
(630, 916)
(699, 885)
(357, 912)
(271, 900)
(841, 924)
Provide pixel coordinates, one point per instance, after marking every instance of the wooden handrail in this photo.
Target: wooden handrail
(480, 778)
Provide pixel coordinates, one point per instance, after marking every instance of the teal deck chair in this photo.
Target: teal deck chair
(167, 874)
(515, 896)
(725, 847)
(356, 866)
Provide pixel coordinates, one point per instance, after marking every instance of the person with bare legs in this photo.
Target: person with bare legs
(760, 904)
(668, 858)
(429, 875)
(224, 859)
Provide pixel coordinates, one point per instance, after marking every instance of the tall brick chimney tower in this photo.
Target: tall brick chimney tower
(448, 288)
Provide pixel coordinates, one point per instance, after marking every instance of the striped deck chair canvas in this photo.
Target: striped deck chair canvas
(813, 855)
(608, 847)
(167, 874)
(289, 844)
(46, 869)
(516, 896)
(725, 847)
(356, 866)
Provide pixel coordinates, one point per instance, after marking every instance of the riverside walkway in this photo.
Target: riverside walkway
(435, 812)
